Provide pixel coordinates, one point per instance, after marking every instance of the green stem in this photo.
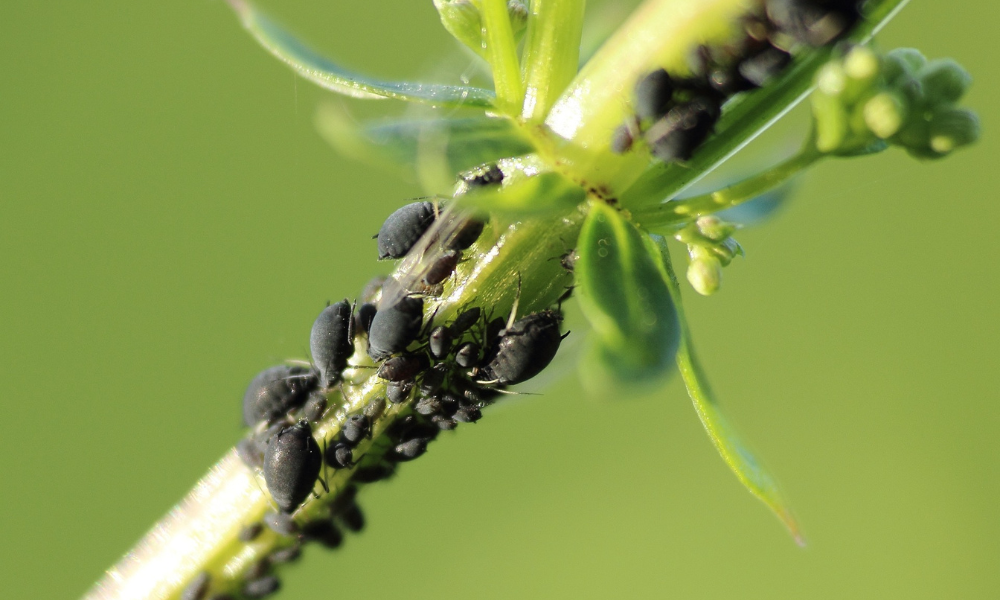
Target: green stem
(201, 534)
(501, 51)
(551, 53)
(676, 212)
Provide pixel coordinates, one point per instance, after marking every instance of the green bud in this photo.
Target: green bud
(518, 15)
(953, 128)
(714, 228)
(831, 121)
(862, 64)
(944, 81)
(705, 275)
(902, 61)
(462, 19)
(831, 79)
(884, 114)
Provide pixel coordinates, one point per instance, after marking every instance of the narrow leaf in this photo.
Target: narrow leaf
(327, 74)
(734, 452)
(432, 150)
(625, 298)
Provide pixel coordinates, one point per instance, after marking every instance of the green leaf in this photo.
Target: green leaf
(432, 150)
(327, 74)
(625, 298)
(529, 188)
(734, 452)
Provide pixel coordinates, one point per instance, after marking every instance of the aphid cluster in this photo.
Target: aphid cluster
(674, 115)
(437, 374)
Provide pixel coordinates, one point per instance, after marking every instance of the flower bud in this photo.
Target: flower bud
(900, 62)
(944, 81)
(953, 128)
(884, 114)
(705, 275)
(714, 228)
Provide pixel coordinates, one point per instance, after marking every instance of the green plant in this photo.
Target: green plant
(549, 127)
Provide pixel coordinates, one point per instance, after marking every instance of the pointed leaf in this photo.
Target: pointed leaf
(734, 452)
(625, 298)
(435, 150)
(325, 73)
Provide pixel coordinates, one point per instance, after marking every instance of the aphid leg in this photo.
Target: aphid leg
(517, 300)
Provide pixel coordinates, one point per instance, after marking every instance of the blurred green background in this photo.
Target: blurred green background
(170, 223)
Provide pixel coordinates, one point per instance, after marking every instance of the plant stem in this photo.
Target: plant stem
(551, 53)
(675, 212)
(501, 51)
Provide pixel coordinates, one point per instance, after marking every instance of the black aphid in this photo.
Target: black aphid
(465, 320)
(759, 69)
(374, 409)
(292, 463)
(356, 427)
(493, 329)
(404, 367)
(332, 341)
(286, 555)
(198, 588)
(341, 456)
(468, 414)
(410, 449)
(482, 176)
(444, 423)
(324, 532)
(467, 355)
(440, 342)
(250, 453)
(250, 532)
(568, 260)
(352, 518)
(522, 350)
(396, 327)
(442, 267)
(374, 473)
(398, 392)
(275, 391)
(403, 228)
(281, 523)
(410, 427)
(466, 234)
(314, 407)
(677, 135)
(428, 406)
(433, 379)
(653, 95)
(257, 569)
(814, 22)
(363, 317)
(261, 587)
(622, 139)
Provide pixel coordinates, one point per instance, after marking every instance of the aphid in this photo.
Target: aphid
(814, 23)
(250, 532)
(257, 569)
(568, 260)
(678, 135)
(286, 555)
(440, 342)
(466, 235)
(410, 427)
(352, 518)
(198, 588)
(281, 523)
(292, 463)
(403, 228)
(482, 176)
(398, 392)
(261, 587)
(467, 355)
(324, 532)
(760, 68)
(622, 139)
(314, 407)
(331, 341)
(493, 329)
(364, 316)
(444, 423)
(374, 409)
(410, 449)
(428, 406)
(468, 414)
(653, 95)
(524, 348)
(396, 327)
(442, 267)
(250, 453)
(464, 320)
(341, 456)
(478, 395)
(275, 391)
(344, 499)
(433, 379)
(374, 473)
(404, 367)
(355, 428)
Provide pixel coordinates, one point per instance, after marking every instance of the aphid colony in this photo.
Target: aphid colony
(439, 374)
(675, 114)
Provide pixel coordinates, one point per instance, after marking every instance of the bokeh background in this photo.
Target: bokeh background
(170, 223)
